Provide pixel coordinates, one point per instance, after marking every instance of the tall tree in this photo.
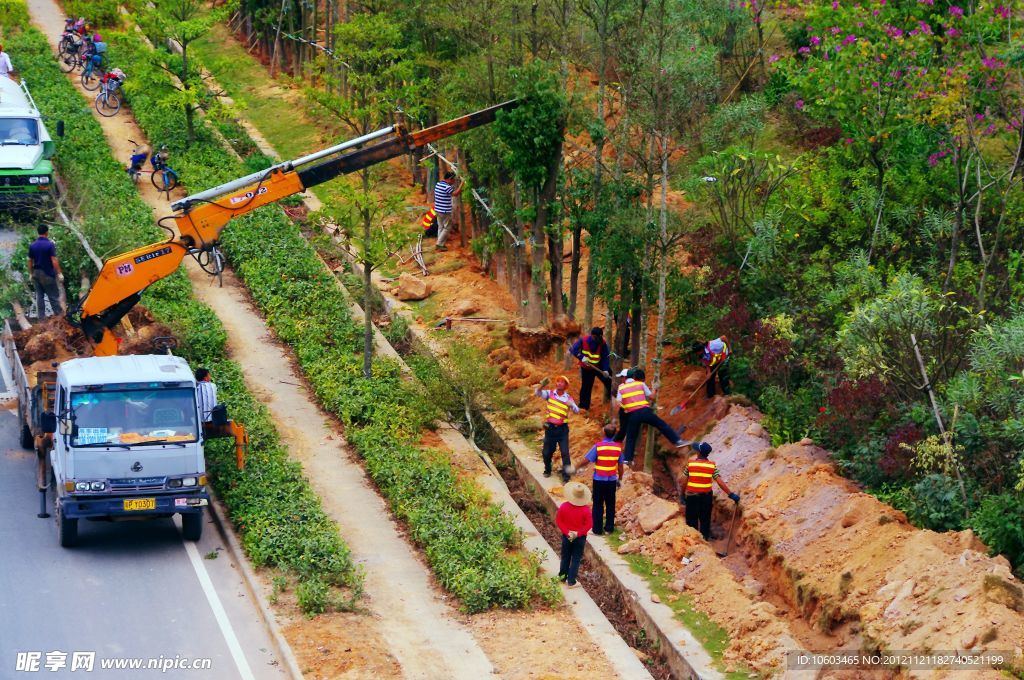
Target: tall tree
(606, 18)
(180, 23)
(379, 78)
(533, 135)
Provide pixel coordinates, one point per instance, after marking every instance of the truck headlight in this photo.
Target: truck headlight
(174, 483)
(189, 481)
(33, 180)
(97, 486)
(44, 180)
(81, 486)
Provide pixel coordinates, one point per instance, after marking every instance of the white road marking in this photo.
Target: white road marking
(218, 609)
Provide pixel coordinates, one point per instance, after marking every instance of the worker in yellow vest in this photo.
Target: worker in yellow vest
(634, 398)
(556, 426)
(606, 455)
(697, 495)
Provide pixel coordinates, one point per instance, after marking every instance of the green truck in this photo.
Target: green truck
(25, 146)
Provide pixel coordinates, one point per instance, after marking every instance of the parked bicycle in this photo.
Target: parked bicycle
(164, 177)
(108, 101)
(95, 64)
(137, 160)
(71, 36)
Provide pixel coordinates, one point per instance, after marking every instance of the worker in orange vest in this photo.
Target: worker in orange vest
(634, 398)
(556, 426)
(606, 455)
(697, 495)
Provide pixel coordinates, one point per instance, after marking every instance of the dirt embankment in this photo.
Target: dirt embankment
(817, 564)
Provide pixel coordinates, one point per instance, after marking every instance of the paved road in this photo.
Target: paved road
(129, 589)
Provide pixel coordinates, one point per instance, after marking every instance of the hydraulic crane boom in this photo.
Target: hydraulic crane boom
(200, 218)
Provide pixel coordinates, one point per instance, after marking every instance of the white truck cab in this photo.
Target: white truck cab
(129, 442)
(25, 145)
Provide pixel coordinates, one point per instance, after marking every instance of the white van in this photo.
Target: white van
(25, 145)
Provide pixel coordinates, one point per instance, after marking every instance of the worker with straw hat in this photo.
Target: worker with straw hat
(574, 520)
(556, 427)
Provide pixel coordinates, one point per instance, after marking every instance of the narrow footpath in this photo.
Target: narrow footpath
(411, 619)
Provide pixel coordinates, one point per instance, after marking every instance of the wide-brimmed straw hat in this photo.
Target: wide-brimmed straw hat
(577, 493)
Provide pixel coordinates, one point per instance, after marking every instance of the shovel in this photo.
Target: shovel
(682, 405)
(732, 529)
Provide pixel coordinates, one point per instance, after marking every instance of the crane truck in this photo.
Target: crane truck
(121, 436)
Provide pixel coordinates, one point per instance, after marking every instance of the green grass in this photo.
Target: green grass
(711, 636)
(244, 78)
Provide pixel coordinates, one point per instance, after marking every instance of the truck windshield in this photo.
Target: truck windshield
(19, 131)
(127, 417)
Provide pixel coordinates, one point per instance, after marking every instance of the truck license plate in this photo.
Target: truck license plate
(140, 504)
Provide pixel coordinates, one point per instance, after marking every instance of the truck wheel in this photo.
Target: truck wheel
(67, 530)
(192, 525)
(27, 440)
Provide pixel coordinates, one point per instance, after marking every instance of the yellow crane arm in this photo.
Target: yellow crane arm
(200, 218)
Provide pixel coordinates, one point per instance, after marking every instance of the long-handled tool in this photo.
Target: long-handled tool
(682, 404)
(594, 368)
(732, 529)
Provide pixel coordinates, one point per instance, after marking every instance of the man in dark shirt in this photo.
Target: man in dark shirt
(45, 272)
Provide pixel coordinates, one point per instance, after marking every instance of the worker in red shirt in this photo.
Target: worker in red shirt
(574, 519)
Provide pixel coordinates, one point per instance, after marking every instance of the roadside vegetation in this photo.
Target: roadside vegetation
(279, 518)
(852, 173)
(474, 548)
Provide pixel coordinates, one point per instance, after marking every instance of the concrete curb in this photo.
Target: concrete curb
(589, 615)
(688, 659)
(227, 532)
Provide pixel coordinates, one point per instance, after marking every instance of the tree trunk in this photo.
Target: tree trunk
(367, 286)
(535, 286)
(574, 269)
(556, 256)
(662, 256)
(544, 198)
(602, 84)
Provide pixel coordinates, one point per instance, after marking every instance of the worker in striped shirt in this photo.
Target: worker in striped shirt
(556, 426)
(443, 192)
(206, 394)
(697, 496)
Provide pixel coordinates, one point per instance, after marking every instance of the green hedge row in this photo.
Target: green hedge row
(474, 548)
(280, 518)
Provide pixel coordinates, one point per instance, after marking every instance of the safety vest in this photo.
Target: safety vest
(590, 356)
(716, 358)
(607, 463)
(632, 396)
(558, 411)
(428, 219)
(701, 472)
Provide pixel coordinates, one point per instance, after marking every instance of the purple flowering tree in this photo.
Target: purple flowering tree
(862, 71)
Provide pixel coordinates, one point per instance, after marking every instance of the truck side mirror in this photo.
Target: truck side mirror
(60, 128)
(48, 422)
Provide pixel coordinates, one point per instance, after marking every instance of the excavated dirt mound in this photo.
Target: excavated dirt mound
(56, 340)
(817, 564)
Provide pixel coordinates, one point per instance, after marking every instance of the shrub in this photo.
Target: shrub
(279, 518)
(897, 457)
(13, 13)
(100, 13)
(457, 527)
(999, 522)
